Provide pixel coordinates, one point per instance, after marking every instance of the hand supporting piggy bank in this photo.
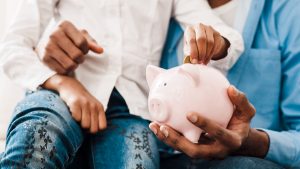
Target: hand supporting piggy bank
(188, 88)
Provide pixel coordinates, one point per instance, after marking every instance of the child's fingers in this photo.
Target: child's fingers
(76, 112)
(94, 119)
(86, 117)
(102, 118)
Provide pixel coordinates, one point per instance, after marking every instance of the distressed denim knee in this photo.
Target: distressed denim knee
(126, 143)
(42, 133)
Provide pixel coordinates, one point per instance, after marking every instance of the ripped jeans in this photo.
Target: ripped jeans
(43, 135)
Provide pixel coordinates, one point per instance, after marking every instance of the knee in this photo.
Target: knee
(42, 99)
(44, 104)
(43, 113)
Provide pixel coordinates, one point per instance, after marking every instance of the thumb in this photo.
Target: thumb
(92, 44)
(242, 104)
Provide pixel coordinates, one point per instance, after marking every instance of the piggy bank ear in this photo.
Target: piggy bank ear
(152, 72)
(191, 71)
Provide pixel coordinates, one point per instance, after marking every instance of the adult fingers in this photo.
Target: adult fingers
(244, 109)
(179, 142)
(169, 136)
(216, 131)
(172, 138)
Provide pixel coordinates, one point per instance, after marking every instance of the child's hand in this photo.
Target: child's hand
(84, 107)
(67, 47)
(203, 43)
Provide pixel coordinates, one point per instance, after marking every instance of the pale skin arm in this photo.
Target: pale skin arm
(237, 139)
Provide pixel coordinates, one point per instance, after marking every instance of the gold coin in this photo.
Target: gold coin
(187, 59)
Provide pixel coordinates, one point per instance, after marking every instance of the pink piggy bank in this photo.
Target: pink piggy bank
(188, 88)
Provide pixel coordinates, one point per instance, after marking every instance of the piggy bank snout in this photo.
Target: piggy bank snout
(158, 109)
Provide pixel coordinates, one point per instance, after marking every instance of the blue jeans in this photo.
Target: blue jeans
(181, 161)
(43, 134)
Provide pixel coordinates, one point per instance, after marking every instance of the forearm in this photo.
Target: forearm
(256, 145)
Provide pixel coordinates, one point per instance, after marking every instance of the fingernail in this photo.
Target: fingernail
(164, 130)
(153, 129)
(194, 61)
(193, 118)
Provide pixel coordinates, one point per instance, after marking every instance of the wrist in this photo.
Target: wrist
(55, 82)
(256, 144)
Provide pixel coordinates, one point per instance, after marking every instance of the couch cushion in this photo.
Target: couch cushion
(2, 145)
(10, 94)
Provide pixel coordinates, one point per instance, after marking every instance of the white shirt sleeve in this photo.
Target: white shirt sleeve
(17, 56)
(191, 12)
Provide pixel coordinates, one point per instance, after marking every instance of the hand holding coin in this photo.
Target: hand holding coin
(203, 43)
(186, 60)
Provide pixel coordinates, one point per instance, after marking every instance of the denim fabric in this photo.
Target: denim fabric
(43, 134)
(127, 142)
(181, 161)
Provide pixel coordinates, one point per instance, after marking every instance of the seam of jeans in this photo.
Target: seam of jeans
(92, 154)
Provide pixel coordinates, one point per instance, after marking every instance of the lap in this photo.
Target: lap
(243, 162)
(126, 143)
(181, 161)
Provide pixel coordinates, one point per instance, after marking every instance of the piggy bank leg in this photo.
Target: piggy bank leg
(193, 135)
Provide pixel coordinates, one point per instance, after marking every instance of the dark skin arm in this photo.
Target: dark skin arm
(84, 107)
(237, 139)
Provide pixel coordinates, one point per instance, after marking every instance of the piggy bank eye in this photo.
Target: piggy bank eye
(165, 84)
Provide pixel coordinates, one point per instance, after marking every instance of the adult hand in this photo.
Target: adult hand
(84, 107)
(203, 43)
(218, 142)
(67, 47)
